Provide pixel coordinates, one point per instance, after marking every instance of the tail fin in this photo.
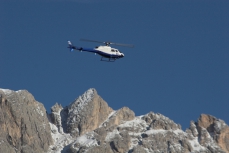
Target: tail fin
(70, 46)
(69, 42)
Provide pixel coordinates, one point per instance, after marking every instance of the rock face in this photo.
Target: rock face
(89, 125)
(150, 133)
(55, 116)
(116, 118)
(23, 123)
(216, 129)
(86, 113)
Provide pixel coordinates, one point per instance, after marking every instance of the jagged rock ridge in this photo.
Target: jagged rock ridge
(89, 125)
(122, 132)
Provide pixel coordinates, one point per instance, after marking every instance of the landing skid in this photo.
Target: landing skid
(107, 59)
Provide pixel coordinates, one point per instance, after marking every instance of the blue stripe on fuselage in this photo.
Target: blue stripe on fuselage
(88, 50)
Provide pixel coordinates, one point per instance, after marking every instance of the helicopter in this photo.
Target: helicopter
(106, 52)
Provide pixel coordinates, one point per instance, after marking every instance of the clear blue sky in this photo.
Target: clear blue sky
(179, 66)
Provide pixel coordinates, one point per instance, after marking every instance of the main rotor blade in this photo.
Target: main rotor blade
(108, 43)
(91, 40)
(125, 45)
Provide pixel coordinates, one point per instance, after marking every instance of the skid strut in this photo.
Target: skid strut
(108, 59)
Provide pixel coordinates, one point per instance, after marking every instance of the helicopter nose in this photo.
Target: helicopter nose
(122, 54)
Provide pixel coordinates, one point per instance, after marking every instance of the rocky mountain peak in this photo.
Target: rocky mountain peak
(120, 131)
(89, 125)
(23, 123)
(78, 105)
(211, 128)
(84, 114)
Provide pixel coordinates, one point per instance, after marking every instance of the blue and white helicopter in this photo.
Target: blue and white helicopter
(107, 53)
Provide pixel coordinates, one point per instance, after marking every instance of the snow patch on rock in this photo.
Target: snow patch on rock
(111, 135)
(6, 91)
(113, 113)
(39, 111)
(78, 105)
(196, 146)
(60, 140)
(87, 140)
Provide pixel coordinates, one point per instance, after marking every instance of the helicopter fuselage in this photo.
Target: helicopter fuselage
(108, 52)
(104, 51)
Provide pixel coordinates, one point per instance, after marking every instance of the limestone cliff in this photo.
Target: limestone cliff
(217, 129)
(23, 123)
